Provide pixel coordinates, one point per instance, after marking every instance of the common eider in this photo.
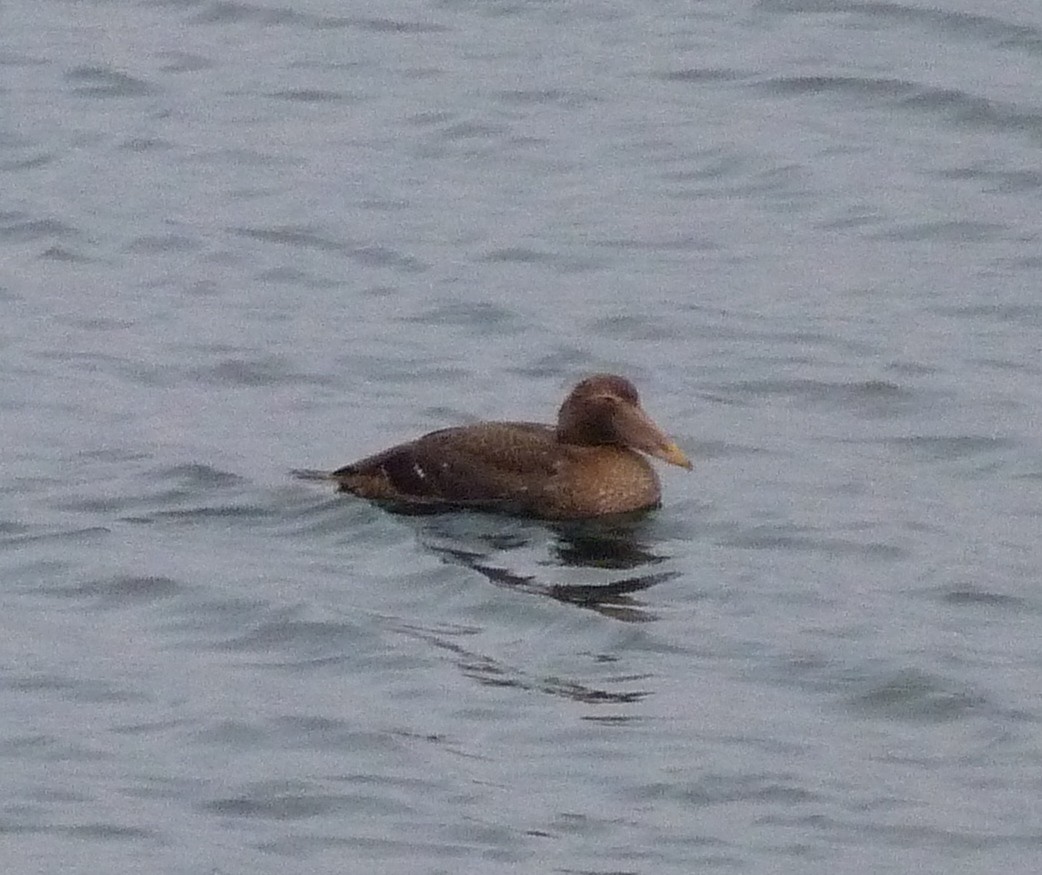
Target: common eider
(588, 465)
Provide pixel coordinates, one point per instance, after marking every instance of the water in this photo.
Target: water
(237, 239)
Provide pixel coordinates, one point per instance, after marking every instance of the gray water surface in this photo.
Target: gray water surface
(237, 239)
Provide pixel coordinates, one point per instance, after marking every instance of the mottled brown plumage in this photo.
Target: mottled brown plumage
(588, 465)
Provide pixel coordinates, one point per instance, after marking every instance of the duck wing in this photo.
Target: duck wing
(494, 464)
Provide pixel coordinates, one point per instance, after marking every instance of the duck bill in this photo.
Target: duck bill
(673, 454)
(637, 430)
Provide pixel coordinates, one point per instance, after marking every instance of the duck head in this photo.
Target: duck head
(605, 410)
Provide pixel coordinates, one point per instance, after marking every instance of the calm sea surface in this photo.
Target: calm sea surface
(238, 238)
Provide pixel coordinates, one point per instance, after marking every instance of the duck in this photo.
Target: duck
(593, 462)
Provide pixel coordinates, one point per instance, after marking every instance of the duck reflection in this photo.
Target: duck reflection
(491, 672)
(617, 544)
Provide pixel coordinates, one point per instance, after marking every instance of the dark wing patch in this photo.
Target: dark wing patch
(489, 462)
(407, 473)
(397, 471)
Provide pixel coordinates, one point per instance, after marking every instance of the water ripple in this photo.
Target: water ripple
(93, 81)
(306, 237)
(912, 695)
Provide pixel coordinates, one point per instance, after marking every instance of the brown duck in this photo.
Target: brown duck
(588, 465)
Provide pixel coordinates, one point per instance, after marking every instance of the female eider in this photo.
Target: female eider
(588, 465)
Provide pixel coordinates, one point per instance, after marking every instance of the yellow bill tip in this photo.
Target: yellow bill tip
(675, 456)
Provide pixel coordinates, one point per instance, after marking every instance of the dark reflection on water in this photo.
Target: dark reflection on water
(617, 544)
(490, 671)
